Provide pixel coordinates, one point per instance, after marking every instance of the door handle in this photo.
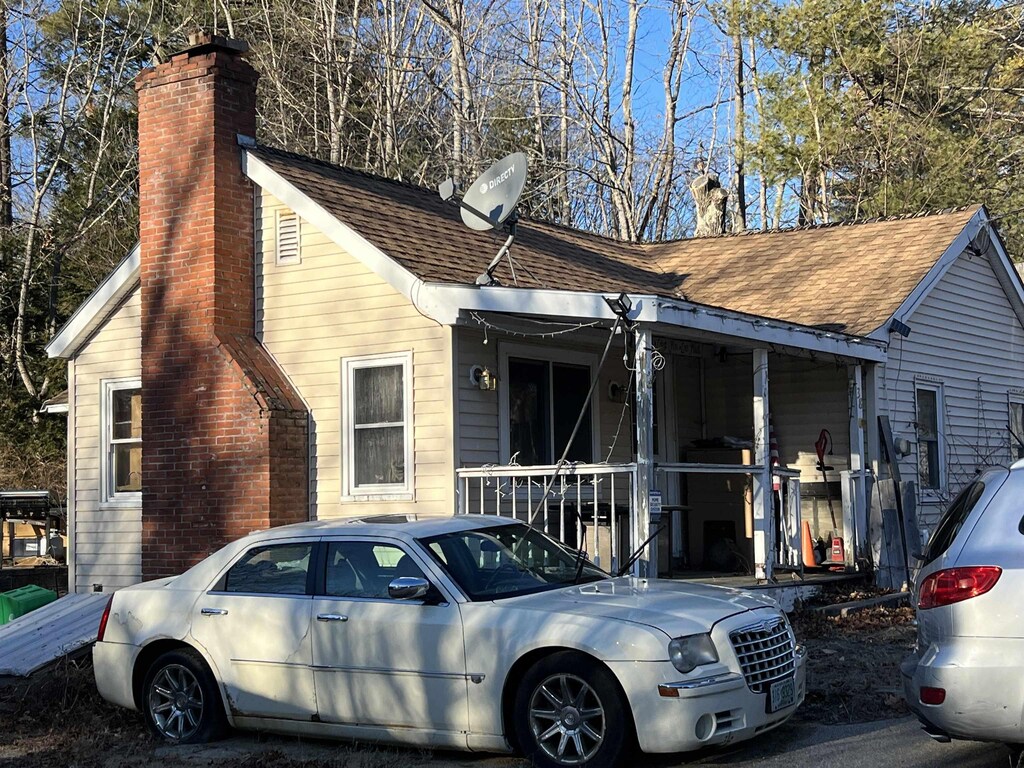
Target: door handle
(331, 617)
(213, 612)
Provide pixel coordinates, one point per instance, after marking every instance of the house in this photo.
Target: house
(294, 340)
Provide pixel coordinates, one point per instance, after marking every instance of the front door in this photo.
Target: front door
(379, 661)
(254, 625)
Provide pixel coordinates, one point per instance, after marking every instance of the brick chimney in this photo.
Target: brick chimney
(225, 434)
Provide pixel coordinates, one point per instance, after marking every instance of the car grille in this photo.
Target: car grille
(766, 652)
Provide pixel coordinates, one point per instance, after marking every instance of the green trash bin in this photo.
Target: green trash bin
(20, 601)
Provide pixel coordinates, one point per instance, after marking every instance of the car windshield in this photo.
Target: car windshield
(509, 560)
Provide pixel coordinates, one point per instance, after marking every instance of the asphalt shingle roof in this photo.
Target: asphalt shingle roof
(846, 277)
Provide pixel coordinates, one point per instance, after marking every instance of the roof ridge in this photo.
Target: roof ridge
(827, 224)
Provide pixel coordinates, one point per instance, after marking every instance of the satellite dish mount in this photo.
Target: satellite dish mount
(490, 205)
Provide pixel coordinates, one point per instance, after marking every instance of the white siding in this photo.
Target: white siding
(478, 420)
(106, 540)
(966, 337)
(329, 306)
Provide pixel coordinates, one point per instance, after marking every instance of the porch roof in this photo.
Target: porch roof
(845, 278)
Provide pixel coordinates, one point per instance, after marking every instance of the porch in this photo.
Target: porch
(684, 425)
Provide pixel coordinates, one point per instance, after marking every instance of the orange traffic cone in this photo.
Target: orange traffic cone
(807, 545)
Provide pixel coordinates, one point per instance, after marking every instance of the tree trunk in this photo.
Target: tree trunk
(739, 117)
(710, 200)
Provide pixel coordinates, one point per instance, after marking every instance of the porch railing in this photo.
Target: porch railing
(602, 499)
(598, 497)
(787, 551)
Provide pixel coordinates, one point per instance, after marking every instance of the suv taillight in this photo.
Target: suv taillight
(103, 620)
(953, 585)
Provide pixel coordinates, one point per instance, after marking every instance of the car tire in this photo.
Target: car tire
(1016, 755)
(570, 711)
(181, 699)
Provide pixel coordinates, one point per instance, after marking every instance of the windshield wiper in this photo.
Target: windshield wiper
(639, 550)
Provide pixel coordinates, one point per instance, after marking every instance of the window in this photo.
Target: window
(930, 469)
(1016, 426)
(273, 569)
(953, 520)
(378, 426)
(544, 401)
(365, 568)
(287, 238)
(122, 437)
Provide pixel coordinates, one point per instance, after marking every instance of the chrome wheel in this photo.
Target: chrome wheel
(567, 719)
(176, 702)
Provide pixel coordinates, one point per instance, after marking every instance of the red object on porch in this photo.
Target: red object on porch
(807, 546)
(838, 550)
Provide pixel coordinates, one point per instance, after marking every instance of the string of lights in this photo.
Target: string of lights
(560, 330)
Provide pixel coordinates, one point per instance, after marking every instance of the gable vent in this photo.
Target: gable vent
(288, 238)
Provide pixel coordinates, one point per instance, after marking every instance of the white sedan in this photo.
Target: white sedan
(472, 632)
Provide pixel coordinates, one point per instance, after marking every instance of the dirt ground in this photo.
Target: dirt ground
(56, 719)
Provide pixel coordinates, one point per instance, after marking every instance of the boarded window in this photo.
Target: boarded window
(288, 250)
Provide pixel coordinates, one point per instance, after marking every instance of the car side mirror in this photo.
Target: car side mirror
(408, 588)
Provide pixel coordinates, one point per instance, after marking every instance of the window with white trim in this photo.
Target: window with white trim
(931, 469)
(121, 414)
(1016, 425)
(287, 237)
(377, 412)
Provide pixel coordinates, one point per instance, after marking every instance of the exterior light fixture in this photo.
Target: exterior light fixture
(621, 305)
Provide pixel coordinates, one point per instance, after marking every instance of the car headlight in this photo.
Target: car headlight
(688, 653)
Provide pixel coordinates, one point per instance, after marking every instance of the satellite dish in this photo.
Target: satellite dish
(492, 198)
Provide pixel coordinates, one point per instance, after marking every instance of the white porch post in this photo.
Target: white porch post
(640, 527)
(764, 524)
(857, 527)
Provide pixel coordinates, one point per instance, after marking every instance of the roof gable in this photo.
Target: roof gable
(94, 311)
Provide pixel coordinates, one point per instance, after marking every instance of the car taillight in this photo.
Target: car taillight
(103, 620)
(955, 584)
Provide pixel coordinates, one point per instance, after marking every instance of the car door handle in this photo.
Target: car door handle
(331, 617)
(213, 612)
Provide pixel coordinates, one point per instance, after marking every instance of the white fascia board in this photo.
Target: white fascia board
(768, 332)
(265, 177)
(934, 275)
(445, 301)
(55, 408)
(1008, 277)
(92, 312)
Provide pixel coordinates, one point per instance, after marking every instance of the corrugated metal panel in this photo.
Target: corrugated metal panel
(50, 632)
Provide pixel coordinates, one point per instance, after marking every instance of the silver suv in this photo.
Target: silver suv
(965, 679)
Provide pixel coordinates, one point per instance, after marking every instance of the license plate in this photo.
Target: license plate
(782, 694)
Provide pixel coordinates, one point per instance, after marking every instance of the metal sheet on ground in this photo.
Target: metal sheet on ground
(48, 633)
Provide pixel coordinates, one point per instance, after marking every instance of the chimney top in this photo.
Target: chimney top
(200, 43)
